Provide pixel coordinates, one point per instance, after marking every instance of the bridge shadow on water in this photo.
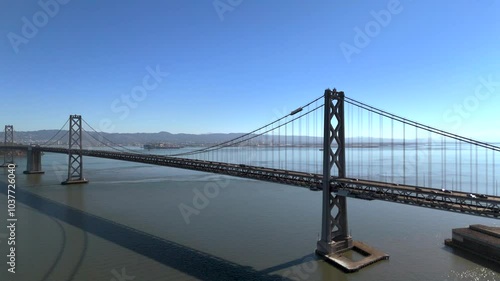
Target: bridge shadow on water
(187, 260)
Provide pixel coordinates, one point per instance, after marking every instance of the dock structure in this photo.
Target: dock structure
(481, 240)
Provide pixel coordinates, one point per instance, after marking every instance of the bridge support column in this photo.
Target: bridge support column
(8, 157)
(34, 162)
(334, 232)
(335, 238)
(75, 161)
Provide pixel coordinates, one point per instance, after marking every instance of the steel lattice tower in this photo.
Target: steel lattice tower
(335, 238)
(334, 232)
(8, 157)
(75, 159)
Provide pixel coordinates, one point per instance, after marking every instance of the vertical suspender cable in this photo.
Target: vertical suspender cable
(285, 147)
(416, 156)
(358, 145)
(486, 168)
(429, 169)
(380, 145)
(315, 153)
(293, 148)
(278, 148)
(392, 150)
(460, 166)
(351, 146)
(493, 180)
(370, 136)
(477, 164)
(445, 145)
(470, 164)
(271, 150)
(404, 154)
(308, 145)
(300, 145)
(456, 162)
(443, 161)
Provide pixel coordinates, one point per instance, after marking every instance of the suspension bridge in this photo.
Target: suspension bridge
(333, 144)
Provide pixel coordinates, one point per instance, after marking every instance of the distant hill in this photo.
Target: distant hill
(42, 136)
(139, 139)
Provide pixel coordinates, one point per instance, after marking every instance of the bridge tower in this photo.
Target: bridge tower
(8, 157)
(335, 238)
(75, 160)
(334, 232)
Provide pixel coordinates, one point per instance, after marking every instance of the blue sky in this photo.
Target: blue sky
(235, 65)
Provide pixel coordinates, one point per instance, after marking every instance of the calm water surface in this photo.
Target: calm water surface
(127, 224)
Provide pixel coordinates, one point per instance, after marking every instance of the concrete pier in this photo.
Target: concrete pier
(345, 261)
(34, 162)
(481, 240)
(74, 181)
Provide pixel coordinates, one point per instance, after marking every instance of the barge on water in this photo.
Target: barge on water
(481, 240)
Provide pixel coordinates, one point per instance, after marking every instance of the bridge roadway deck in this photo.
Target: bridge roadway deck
(455, 201)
